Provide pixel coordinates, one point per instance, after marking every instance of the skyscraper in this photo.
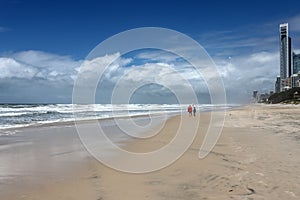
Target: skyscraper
(296, 63)
(277, 84)
(285, 52)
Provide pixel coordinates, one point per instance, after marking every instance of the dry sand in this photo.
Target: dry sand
(256, 157)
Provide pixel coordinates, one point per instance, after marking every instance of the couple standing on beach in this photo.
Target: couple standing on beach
(192, 109)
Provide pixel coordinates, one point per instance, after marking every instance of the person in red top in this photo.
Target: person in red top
(190, 110)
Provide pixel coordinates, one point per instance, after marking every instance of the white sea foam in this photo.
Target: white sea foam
(16, 116)
(12, 114)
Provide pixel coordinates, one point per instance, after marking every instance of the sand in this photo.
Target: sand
(256, 157)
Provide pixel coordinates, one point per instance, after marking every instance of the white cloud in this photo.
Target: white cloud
(134, 73)
(36, 77)
(43, 60)
(40, 65)
(122, 78)
(239, 38)
(262, 58)
(160, 56)
(256, 71)
(91, 70)
(241, 74)
(154, 72)
(10, 68)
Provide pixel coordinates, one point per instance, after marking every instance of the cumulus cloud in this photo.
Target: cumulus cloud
(114, 72)
(91, 69)
(246, 73)
(157, 59)
(42, 75)
(36, 76)
(38, 65)
(10, 68)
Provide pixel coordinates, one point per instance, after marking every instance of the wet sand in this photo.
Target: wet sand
(256, 157)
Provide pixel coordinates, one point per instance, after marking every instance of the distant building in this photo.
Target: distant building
(286, 84)
(264, 98)
(296, 63)
(285, 53)
(277, 84)
(295, 80)
(255, 96)
(261, 98)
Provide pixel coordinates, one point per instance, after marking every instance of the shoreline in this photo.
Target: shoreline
(80, 121)
(70, 120)
(47, 143)
(257, 156)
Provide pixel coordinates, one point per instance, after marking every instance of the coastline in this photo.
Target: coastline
(14, 116)
(257, 156)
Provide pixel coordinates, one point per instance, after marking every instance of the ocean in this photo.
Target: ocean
(18, 115)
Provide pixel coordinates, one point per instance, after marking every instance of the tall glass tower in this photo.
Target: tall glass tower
(285, 52)
(296, 63)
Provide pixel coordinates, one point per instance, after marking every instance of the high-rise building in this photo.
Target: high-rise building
(286, 84)
(255, 96)
(295, 80)
(278, 84)
(285, 52)
(296, 63)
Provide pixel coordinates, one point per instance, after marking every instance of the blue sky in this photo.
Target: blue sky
(71, 28)
(42, 43)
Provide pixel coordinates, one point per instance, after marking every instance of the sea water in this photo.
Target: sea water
(23, 115)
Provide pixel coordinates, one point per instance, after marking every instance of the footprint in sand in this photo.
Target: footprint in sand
(262, 183)
(250, 159)
(291, 193)
(259, 173)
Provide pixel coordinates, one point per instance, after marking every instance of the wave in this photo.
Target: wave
(16, 116)
(11, 114)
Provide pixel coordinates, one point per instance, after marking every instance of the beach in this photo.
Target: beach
(256, 157)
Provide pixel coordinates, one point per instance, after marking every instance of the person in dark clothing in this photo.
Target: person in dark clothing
(194, 110)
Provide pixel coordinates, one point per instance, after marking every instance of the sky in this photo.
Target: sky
(43, 44)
